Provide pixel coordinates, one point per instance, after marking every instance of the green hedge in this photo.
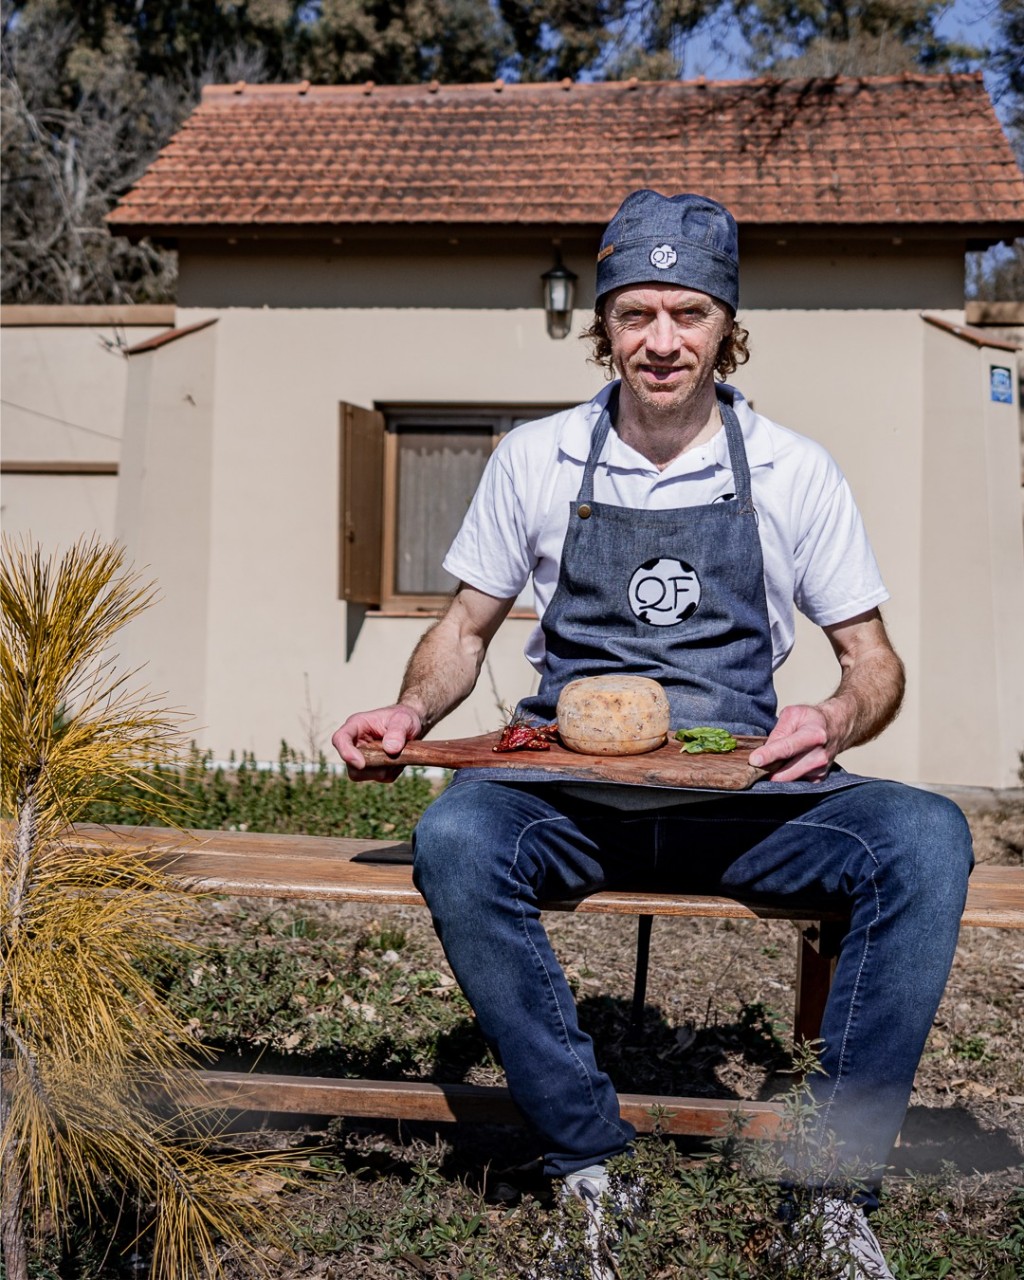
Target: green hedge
(294, 796)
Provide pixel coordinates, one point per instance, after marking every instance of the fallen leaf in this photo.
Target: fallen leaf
(975, 1089)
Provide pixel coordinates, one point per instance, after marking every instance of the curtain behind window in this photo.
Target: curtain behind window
(438, 472)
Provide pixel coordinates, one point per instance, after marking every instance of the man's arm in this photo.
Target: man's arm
(808, 738)
(442, 672)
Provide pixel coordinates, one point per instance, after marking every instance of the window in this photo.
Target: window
(408, 475)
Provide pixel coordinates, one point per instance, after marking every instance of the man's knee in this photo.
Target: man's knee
(466, 846)
(929, 846)
(444, 843)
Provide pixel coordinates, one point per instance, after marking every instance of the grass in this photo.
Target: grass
(386, 1210)
(369, 1004)
(315, 991)
(309, 991)
(307, 988)
(297, 796)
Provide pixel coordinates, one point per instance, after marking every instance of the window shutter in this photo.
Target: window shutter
(362, 504)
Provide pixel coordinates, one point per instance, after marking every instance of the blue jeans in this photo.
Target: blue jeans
(487, 852)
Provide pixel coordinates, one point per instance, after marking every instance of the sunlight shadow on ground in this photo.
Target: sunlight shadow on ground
(935, 1136)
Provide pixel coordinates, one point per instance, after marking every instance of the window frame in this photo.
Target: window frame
(497, 419)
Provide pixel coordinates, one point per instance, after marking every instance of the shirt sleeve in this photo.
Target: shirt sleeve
(490, 550)
(836, 573)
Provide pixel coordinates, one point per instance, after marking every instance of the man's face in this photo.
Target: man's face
(665, 341)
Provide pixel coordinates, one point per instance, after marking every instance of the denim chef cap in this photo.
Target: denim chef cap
(687, 240)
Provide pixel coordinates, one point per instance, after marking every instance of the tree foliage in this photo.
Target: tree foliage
(998, 273)
(848, 37)
(91, 89)
(80, 124)
(1006, 60)
(84, 1036)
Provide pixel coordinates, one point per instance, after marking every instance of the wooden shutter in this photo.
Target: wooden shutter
(362, 504)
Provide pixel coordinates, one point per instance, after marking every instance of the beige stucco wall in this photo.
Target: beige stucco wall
(164, 513)
(230, 484)
(852, 380)
(972, 570)
(55, 511)
(277, 631)
(63, 401)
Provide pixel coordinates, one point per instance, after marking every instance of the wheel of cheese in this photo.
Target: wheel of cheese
(613, 715)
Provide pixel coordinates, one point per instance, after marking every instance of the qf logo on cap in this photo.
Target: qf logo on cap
(663, 257)
(664, 592)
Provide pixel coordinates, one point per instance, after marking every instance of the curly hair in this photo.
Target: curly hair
(734, 349)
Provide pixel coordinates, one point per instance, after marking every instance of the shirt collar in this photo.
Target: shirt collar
(580, 423)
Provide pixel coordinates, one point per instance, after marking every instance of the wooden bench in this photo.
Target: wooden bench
(334, 869)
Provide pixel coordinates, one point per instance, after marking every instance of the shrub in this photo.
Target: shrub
(295, 797)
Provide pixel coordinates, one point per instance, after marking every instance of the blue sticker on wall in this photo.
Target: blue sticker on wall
(1000, 384)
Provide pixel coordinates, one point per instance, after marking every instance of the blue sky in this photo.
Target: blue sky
(972, 21)
(969, 21)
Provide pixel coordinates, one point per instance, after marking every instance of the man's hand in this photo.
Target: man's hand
(806, 740)
(441, 672)
(393, 727)
(799, 747)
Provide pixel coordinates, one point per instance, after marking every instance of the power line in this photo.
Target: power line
(37, 413)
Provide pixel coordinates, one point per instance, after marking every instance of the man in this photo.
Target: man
(668, 474)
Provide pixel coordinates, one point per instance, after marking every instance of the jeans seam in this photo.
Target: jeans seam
(617, 1129)
(826, 826)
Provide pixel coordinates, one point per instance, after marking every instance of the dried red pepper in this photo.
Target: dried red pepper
(520, 735)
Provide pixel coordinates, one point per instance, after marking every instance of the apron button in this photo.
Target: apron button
(583, 511)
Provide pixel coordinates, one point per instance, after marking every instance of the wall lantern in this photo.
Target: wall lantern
(559, 295)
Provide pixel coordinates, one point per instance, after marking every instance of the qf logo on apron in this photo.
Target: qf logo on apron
(664, 592)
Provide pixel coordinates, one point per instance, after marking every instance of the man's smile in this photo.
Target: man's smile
(660, 373)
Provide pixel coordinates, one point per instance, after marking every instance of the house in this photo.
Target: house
(360, 316)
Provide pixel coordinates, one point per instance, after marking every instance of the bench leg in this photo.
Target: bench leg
(643, 958)
(817, 952)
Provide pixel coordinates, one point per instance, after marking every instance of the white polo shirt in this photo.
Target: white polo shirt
(816, 551)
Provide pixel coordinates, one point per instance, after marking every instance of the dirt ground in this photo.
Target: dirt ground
(966, 1119)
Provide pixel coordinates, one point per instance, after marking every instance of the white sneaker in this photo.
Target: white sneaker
(590, 1186)
(848, 1236)
(838, 1232)
(609, 1205)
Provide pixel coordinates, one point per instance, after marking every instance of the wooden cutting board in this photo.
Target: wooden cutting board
(665, 767)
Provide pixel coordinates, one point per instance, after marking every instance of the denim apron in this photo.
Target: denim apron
(676, 595)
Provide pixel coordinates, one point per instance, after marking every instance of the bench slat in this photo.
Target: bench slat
(335, 868)
(413, 1100)
(995, 898)
(258, 864)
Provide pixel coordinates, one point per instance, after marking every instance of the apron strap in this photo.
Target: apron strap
(597, 439)
(737, 454)
(733, 439)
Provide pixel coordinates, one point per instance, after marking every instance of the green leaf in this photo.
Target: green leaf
(704, 738)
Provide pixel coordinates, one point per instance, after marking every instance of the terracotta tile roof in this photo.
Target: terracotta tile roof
(894, 149)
